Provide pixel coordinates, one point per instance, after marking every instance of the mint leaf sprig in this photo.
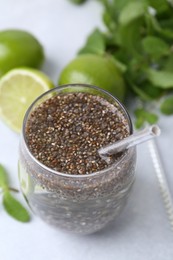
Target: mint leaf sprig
(12, 206)
(139, 37)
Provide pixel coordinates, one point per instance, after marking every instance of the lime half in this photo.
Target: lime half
(18, 89)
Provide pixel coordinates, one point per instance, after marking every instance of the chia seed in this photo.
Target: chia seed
(66, 131)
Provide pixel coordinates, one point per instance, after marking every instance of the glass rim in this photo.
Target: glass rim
(58, 89)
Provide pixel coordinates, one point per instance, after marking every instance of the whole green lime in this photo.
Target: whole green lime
(19, 48)
(95, 70)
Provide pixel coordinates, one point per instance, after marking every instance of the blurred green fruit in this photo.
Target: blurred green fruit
(95, 70)
(19, 48)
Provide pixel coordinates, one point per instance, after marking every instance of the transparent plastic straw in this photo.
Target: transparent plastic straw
(132, 140)
(162, 180)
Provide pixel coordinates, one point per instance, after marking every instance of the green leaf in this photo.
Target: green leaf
(164, 64)
(139, 122)
(168, 63)
(141, 93)
(151, 91)
(151, 118)
(162, 79)
(78, 1)
(164, 33)
(14, 208)
(145, 90)
(143, 116)
(95, 44)
(167, 106)
(109, 8)
(114, 7)
(3, 177)
(120, 4)
(159, 5)
(132, 11)
(109, 21)
(129, 37)
(167, 23)
(154, 46)
(121, 66)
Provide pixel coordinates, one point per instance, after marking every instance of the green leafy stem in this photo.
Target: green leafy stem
(12, 206)
(139, 37)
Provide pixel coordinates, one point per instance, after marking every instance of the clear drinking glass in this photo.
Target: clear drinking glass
(78, 203)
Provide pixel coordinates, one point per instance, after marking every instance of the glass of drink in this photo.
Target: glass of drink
(62, 176)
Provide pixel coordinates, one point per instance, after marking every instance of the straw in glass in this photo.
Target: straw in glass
(130, 141)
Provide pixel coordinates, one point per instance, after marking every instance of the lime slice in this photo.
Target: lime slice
(18, 89)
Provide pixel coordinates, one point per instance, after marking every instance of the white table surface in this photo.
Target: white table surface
(142, 231)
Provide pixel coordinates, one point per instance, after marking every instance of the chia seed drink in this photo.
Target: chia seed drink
(62, 176)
